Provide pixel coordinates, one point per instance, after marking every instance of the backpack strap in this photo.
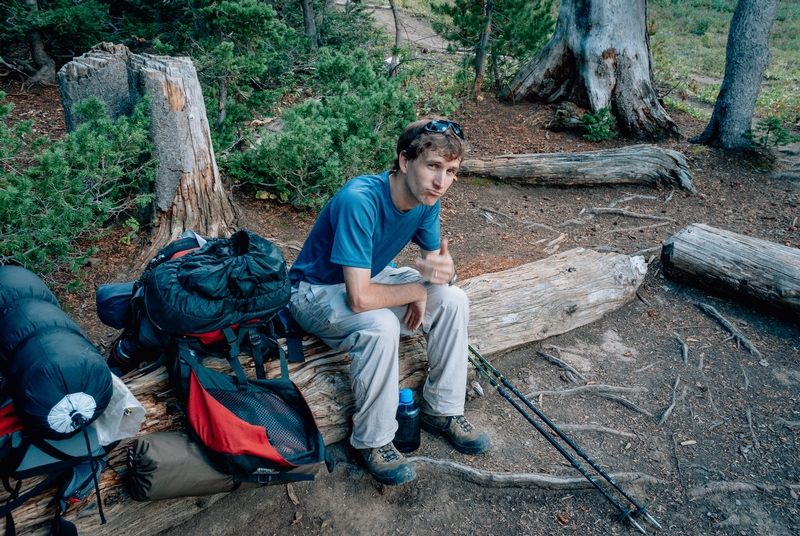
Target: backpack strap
(293, 332)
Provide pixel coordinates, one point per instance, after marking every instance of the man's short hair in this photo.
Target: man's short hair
(415, 141)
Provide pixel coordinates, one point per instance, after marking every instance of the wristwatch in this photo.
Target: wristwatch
(452, 281)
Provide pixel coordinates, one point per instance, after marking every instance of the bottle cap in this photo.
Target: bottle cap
(406, 396)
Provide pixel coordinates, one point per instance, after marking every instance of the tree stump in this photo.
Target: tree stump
(639, 164)
(189, 193)
(752, 270)
(599, 56)
(507, 309)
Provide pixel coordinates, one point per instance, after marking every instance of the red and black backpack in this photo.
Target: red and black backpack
(218, 298)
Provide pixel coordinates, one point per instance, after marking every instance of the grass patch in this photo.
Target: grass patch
(689, 38)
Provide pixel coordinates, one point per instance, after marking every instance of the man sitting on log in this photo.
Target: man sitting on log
(347, 293)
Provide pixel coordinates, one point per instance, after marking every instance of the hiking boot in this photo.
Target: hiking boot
(464, 437)
(388, 466)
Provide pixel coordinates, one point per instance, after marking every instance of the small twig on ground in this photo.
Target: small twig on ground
(684, 348)
(671, 407)
(571, 378)
(642, 299)
(669, 197)
(627, 403)
(730, 327)
(532, 480)
(490, 219)
(708, 470)
(523, 222)
(628, 213)
(562, 364)
(723, 486)
(677, 459)
(591, 389)
(577, 221)
(594, 428)
(746, 381)
(788, 424)
(651, 365)
(632, 229)
(629, 197)
(749, 414)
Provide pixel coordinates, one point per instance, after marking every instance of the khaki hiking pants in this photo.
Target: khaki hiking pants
(372, 339)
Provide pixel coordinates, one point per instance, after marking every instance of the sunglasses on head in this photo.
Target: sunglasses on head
(440, 126)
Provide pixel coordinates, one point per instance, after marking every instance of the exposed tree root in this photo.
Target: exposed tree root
(627, 403)
(595, 428)
(723, 486)
(562, 364)
(521, 480)
(595, 389)
(740, 338)
(671, 407)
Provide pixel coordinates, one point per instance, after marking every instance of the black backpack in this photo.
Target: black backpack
(218, 296)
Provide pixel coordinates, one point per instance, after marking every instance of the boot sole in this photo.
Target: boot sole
(401, 477)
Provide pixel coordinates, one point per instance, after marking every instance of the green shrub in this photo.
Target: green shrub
(351, 130)
(53, 194)
(599, 126)
(770, 131)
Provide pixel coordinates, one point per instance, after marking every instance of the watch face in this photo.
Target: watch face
(455, 276)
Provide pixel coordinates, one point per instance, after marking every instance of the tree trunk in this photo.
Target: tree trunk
(395, 61)
(751, 270)
(746, 58)
(507, 309)
(309, 24)
(640, 164)
(480, 50)
(222, 105)
(46, 75)
(188, 190)
(599, 56)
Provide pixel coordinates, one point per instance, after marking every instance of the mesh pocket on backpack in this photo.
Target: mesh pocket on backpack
(282, 422)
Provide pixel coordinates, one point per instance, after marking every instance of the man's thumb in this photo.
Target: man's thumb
(443, 247)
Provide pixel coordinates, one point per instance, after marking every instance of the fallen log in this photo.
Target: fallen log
(509, 308)
(647, 165)
(751, 270)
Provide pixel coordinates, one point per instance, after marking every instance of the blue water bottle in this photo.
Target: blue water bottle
(406, 439)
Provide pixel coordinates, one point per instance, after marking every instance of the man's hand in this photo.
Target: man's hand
(415, 313)
(436, 267)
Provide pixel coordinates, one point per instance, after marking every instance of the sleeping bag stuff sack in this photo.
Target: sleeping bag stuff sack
(57, 379)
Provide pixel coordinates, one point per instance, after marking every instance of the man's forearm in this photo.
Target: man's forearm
(377, 296)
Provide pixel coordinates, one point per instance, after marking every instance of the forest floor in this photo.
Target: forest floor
(726, 461)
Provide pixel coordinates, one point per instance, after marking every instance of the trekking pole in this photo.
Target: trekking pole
(625, 514)
(640, 510)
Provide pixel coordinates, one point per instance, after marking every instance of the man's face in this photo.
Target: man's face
(428, 176)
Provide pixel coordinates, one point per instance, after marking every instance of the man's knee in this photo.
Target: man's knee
(448, 297)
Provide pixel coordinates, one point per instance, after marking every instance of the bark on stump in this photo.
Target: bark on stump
(507, 309)
(599, 56)
(189, 193)
(752, 270)
(640, 164)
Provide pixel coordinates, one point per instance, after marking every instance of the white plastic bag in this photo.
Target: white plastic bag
(123, 416)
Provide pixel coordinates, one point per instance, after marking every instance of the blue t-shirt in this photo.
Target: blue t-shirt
(362, 228)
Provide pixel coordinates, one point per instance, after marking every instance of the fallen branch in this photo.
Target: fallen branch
(752, 432)
(627, 403)
(632, 229)
(648, 367)
(595, 428)
(684, 348)
(788, 424)
(562, 364)
(592, 389)
(723, 486)
(521, 222)
(521, 480)
(671, 407)
(737, 335)
(628, 213)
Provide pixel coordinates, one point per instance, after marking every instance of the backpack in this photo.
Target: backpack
(73, 464)
(219, 296)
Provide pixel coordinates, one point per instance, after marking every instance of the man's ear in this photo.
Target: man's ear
(402, 161)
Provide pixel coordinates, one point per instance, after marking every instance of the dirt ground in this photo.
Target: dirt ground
(726, 461)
